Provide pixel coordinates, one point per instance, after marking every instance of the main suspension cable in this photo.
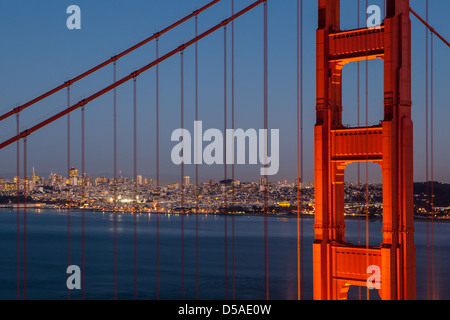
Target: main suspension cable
(129, 77)
(107, 62)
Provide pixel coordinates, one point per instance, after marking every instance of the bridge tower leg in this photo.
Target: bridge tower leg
(336, 263)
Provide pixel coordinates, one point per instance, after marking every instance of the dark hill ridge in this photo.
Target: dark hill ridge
(441, 193)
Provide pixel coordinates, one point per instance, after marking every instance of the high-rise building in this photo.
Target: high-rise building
(139, 180)
(73, 181)
(32, 183)
(73, 172)
(186, 181)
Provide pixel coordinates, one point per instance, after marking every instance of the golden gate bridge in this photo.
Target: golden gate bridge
(336, 263)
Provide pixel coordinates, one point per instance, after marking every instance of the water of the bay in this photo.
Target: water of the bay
(47, 255)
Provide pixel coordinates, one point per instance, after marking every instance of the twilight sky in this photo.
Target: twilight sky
(39, 53)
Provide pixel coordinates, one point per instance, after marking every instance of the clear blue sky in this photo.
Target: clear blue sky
(39, 52)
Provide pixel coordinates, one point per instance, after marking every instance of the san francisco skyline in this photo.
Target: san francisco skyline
(62, 53)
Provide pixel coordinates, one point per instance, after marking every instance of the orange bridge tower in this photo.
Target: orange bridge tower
(338, 264)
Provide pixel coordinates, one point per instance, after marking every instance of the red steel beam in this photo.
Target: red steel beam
(429, 27)
(132, 75)
(107, 62)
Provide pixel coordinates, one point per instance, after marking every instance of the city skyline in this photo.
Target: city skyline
(61, 55)
(126, 195)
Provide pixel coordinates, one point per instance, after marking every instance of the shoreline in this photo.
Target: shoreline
(246, 214)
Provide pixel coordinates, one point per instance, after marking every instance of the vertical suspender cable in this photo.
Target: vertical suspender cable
(266, 177)
(18, 210)
(83, 222)
(182, 176)
(367, 163)
(68, 185)
(358, 93)
(25, 194)
(232, 149)
(427, 152)
(298, 150)
(115, 178)
(299, 147)
(135, 183)
(157, 171)
(432, 168)
(225, 187)
(196, 163)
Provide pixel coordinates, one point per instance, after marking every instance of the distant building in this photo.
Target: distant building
(73, 176)
(186, 181)
(73, 172)
(101, 180)
(284, 204)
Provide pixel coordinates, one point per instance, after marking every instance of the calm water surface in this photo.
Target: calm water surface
(47, 255)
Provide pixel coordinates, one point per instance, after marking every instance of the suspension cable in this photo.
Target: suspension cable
(196, 166)
(429, 27)
(232, 150)
(427, 209)
(298, 151)
(18, 208)
(266, 177)
(115, 177)
(432, 167)
(83, 213)
(25, 194)
(299, 148)
(157, 171)
(182, 176)
(107, 62)
(367, 161)
(68, 185)
(358, 103)
(129, 77)
(225, 186)
(136, 208)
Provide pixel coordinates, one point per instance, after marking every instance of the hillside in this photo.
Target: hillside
(441, 193)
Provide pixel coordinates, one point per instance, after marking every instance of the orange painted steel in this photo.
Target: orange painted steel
(338, 264)
(354, 45)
